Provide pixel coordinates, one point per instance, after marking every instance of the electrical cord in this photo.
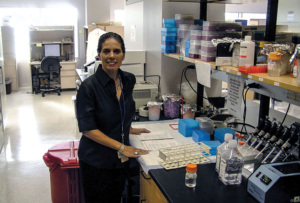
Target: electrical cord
(285, 114)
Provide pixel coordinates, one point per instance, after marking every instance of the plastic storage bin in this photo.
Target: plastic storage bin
(169, 22)
(63, 164)
(169, 32)
(206, 124)
(220, 133)
(200, 135)
(213, 145)
(186, 126)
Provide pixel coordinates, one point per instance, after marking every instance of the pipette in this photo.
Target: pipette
(256, 131)
(285, 136)
(271, 132)
(265, 129)
(287, 145)
(272, 140)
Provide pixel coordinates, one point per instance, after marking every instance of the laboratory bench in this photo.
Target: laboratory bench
(169, 186)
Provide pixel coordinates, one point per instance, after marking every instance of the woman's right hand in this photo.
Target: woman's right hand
(133, 152)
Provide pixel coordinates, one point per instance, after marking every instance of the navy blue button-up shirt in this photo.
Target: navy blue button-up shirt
(98, 108)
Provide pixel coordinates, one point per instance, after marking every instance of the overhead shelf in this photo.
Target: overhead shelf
(283, 81)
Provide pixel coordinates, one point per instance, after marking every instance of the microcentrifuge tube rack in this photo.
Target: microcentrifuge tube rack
(181, 155)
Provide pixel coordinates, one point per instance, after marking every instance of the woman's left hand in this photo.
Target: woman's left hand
(138, 131)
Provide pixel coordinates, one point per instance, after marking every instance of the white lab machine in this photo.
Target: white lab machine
(143, 92)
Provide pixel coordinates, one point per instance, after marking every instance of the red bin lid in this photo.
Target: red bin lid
(65, 154)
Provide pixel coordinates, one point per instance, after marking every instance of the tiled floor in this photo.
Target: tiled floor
(35, 124)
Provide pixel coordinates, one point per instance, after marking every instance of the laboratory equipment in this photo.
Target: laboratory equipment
(271, 132)
(277, 182)
(285, 136)
(255, 132)
(265, 129)
(272, 140)
(221, 149)
(231, 165)
(191, 175)
(181, 155)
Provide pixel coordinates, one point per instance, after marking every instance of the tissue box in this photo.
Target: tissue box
(220, 133)
(186, 126)
(200, 135)
(213, 145)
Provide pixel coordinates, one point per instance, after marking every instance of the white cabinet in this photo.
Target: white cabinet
(59, 35)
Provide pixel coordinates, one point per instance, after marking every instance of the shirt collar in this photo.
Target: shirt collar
(103, 78)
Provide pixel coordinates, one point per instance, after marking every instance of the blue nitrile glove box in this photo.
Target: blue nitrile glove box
(200, 135)
(220, 133)
(186, 126)
(213, 145)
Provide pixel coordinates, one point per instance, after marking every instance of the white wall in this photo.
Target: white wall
(258, 7)
(97, 11)
(286, 6)
(134, 26)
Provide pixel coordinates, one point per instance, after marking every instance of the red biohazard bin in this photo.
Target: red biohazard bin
(63, 164)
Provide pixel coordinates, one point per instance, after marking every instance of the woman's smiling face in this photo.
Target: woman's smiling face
(111, 55)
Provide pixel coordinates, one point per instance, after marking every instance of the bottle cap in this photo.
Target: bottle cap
(241, 143)
(261, 44)
(191, 168)
(227, 137)
(232, 144)
(247, 38)
(274, 56)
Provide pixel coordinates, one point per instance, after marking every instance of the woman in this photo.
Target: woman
(105, 108)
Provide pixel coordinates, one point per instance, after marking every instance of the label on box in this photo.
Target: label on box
(223, 61)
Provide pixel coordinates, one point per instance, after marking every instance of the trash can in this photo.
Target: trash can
(8, 85)
(63, 164)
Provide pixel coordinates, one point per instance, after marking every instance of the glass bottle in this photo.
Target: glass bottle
(231, 165)
(191, 175)
(274, 64)
(221, 149)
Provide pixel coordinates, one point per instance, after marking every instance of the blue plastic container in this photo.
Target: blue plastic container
(213, 145)
(169, 43)
(168, 38)
(169, 32)
(186, 126)
(220, 133)
(200, 135)
(187, 44)
(186, 53)
(169, 23)
(168, 49)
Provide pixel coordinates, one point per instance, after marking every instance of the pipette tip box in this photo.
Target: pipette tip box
(186, 126)
(200, 135)
(220, 133)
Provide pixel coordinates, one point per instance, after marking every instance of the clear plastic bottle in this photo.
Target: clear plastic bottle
(274, 64)
(221, 149)
(191, 175)
(231, 165)
(247, 51)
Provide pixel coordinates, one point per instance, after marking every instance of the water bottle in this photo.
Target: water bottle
(221, 149)
(191, 175)
(231, 165)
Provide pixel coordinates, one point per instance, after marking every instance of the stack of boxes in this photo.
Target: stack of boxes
(216, 30)
(168, 33)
